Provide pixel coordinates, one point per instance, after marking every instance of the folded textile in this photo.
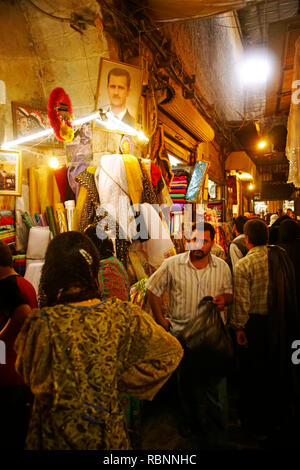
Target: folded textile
(6, 213)
(178, 191)
(7, 220)
(175, 201)
(179, 178)
(177, 195)
(19, 264)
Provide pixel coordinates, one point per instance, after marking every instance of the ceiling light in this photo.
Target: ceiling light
(53, 162)
(255, 69)
(262, 144)
(244, 176)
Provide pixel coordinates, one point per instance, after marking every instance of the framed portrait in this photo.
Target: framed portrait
(29, 120)
(119, 90)
(10, 172)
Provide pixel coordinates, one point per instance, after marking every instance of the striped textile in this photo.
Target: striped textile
(187, 285)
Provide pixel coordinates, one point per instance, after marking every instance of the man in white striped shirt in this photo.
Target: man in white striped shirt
(188, 277)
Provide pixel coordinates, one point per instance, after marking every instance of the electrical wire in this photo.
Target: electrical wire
(59, 18)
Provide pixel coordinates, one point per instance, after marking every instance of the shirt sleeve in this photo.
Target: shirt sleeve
(241, 297)
(235, 254)
(227, 279)
(158, 283)
(152, 356)
(34, 354)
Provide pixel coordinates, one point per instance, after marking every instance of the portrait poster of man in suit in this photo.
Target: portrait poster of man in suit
(119, 90)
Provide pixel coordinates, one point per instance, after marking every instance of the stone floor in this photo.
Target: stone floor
(159, 424)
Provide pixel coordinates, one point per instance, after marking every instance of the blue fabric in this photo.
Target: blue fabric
(196, 181)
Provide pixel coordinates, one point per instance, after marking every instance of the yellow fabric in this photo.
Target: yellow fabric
(80, 203)
(7, 202)
(81, 199)
(34, 204)
(76, 361)
(43, 190)
(134, 178)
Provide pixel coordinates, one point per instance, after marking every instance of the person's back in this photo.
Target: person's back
(237, 248)
(17, 297)
(77, 353)
(289, 239)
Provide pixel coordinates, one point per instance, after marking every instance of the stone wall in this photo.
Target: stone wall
(39, 53)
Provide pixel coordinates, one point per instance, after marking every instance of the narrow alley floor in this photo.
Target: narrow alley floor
(160, 429)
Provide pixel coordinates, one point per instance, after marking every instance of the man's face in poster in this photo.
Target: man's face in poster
(118, 91)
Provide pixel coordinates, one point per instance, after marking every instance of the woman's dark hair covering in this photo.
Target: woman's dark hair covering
(105, 247)
(289, 230)
(70, 270)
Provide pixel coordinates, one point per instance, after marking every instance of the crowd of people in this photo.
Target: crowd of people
(81, 357)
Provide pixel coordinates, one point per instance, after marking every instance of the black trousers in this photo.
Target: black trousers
(203, 405)
(257, 396)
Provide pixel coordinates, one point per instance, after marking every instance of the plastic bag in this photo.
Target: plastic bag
(208, 343)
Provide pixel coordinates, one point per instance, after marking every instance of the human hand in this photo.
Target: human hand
(241, 338)
(219, 300)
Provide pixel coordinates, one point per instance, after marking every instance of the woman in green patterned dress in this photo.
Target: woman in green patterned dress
(78, 353)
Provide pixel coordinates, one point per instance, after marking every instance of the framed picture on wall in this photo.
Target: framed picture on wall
(119, 90)
(29, 120)
(10, 172)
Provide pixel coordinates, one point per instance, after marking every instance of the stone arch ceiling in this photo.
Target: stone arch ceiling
(39, 53)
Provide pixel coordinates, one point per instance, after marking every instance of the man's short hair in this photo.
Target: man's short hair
(5, 255)
(239, 222)
(257, 231)
(117, 72)
(207, 227)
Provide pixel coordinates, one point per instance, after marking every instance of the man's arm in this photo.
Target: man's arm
(241, 303)
(156, 307)
(222, 300)
(14, 325)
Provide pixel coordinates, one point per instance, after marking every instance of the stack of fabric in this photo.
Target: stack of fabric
(7, 227)
(19, 264)
(178, 189)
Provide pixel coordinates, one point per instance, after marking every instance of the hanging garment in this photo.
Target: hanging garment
(33, 193)
(160, 245)
(134, 178)
(196, 181)
(111, 182)
(78, 164)
(43, 189)
(149, 194)
(87, 180)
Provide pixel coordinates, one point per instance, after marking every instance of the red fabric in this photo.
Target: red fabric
(6, 221)
(155, 174)
(179, 190)
(179, 178)
(28, 291)
(61, 180)
(178, 200)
